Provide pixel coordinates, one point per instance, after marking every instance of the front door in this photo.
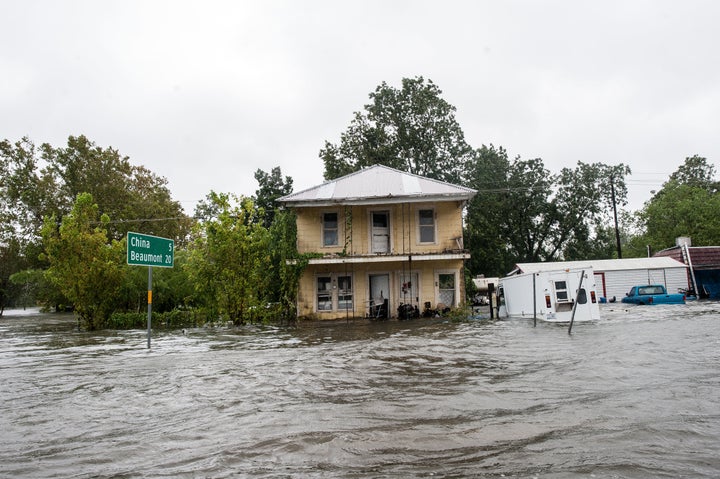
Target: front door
(409, 289)
(380, 232)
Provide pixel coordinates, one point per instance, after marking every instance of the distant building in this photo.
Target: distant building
(703, 265)
(615, 277)
(384, 240)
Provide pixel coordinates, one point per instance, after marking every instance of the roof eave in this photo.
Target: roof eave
(383, 200)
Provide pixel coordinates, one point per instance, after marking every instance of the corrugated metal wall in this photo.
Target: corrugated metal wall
(617, 283)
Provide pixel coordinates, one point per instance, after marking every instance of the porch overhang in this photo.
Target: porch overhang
(388, 258)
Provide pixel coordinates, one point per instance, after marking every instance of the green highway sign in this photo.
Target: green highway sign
(147, 250)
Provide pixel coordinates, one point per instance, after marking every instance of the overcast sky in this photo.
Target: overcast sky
(206, 92)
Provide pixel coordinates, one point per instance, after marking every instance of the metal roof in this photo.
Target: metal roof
(601, 265)
(702, 257)
(378, 184)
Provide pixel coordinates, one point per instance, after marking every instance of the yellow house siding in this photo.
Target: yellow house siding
(404, 229)
(427, 289)
(310, 230)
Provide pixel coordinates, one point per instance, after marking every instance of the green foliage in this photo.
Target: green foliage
(136, 198)
(30, 284)
(524, 213)
(38, 183)
(228, 258)
(513, 217)
(682, 210)
(459, 314)
(271, 187)
(286, 264)
(84, 265)
(686, 205)
(410, 129)
(695, 172)
(11, 261)
(486, 213)
(587, 196)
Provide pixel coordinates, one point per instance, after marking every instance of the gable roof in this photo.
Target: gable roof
(600, 265)
(378, 184)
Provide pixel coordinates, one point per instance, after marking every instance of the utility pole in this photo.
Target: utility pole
(617, 231)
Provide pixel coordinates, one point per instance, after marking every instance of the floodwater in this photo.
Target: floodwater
(635, 395)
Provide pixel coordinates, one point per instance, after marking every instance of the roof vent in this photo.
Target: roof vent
(683, 241)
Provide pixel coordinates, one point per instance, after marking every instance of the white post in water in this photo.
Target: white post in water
(149, 303)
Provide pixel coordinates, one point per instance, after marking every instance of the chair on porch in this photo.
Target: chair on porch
(378, 309)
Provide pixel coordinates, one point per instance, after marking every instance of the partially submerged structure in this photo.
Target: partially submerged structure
(385, 243)
(560, 295)
(615, 277)
(703, 266)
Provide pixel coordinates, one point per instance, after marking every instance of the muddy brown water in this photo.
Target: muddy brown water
(634, 395)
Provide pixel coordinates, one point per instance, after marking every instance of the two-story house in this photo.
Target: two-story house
(383, 238)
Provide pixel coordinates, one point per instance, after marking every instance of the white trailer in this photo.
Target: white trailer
(556, 296)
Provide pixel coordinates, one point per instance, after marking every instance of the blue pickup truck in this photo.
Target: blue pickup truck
(652, 294)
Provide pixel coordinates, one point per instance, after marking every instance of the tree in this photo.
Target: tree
(696, 172)
(10, 262)
(228, 257)
(532, 225)
(36, 183)
(136, 198)
(686, 205)
(410, 129)
(271, 187)
(588, 197)
(524, 213)
(490, 248)
(681, 210)
(85, 265)
(24, 201)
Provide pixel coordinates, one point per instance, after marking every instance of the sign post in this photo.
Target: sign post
(147, 250)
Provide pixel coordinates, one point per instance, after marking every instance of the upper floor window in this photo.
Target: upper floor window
(330, 229)
(426, 223)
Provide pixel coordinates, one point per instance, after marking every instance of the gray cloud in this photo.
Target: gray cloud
(206, 93)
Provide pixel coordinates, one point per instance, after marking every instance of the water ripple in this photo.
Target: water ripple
(633, 395)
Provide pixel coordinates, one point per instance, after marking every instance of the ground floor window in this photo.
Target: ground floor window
(334, 292)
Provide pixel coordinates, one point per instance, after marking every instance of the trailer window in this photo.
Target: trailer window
(582, 296)
(561, 293)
